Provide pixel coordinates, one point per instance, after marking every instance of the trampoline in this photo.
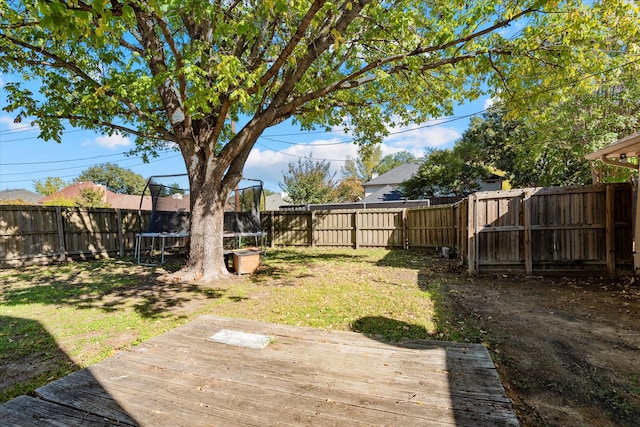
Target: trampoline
(169, 224)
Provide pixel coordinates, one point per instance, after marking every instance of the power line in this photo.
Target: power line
(61, 161)
(2, 181)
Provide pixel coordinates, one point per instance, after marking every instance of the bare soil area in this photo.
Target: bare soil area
(568, 350)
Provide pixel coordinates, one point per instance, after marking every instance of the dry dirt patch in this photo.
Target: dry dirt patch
(568, 350)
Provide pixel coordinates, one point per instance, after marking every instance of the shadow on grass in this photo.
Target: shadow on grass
(107, 285)
(289, 266)
(28, 339)
(435, 278)
(388, 330)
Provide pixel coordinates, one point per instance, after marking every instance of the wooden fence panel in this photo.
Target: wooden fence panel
(432, 227)
(29, 234)
(290, 228)
(380, 228)
(333, 228)
(586, 229)
(90, 232)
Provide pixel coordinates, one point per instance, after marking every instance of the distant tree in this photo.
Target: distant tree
(50, 185)
(115, 178)
(91, 198)
(447, 172)
(364, 165)
(309, 182)
(391, 161)
(350, 189)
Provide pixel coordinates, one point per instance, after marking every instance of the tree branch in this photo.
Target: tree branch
(166, 136)
(291, 45)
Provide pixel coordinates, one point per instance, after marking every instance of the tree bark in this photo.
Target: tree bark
(208, 199)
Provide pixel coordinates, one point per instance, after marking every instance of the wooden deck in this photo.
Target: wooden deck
(303, 376)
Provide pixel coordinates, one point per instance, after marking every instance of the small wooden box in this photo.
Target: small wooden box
(246, 262)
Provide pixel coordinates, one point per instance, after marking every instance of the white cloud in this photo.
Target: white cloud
(489, 103)
(113, 141)
(24, 126)
(269, 165)
(418, 138)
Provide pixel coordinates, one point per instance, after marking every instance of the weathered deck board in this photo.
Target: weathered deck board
(304, 376)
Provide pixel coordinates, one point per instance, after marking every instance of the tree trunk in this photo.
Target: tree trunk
(206, 251)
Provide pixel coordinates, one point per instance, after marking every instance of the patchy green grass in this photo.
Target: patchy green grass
(58, 319)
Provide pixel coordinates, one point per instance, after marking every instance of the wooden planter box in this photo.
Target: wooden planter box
(246, 261)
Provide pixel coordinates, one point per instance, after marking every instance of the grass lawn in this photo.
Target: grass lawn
(58, 319)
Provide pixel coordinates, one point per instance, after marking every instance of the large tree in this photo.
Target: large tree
(115, 178)
(178, 72)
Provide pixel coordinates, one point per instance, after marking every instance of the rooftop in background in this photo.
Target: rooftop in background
(395, 176)
(20, 194)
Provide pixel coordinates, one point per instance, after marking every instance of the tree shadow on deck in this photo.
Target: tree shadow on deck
(45, 406)
(475, 394)
(472, 377)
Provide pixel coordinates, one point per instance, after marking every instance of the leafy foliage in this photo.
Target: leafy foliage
(446, 172)
(309, 182)
(363, 166)
(175, 74)
(49, 186)
(350, 189)
(392, 161)
(115, 178)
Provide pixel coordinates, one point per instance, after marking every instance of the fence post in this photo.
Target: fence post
(356, 225)
(528, 255)
(312, 231)
(472, 220)
(60, 234)
(405, 228)
(120, 232)
(272, 228)
(610, 233)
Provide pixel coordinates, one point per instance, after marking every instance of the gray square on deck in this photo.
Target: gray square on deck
(241, 339)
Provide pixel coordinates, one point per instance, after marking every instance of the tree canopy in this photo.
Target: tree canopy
(309, 182)
(115, 178)
(391, 161)
(178, 73)
(454, 172)
(49, 185)
(364, 165)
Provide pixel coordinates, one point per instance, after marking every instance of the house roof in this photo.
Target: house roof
(629, 146)
(72, 191)
(115, 200)
(272, 202)
(20, 194)
(387, 193)
(395, 176)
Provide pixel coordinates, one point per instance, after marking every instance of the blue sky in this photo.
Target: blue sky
(25, 159)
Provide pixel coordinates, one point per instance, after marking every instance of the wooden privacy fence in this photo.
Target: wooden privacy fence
(527, 231)
(32, 234)
(586, 229)
(414, 228)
